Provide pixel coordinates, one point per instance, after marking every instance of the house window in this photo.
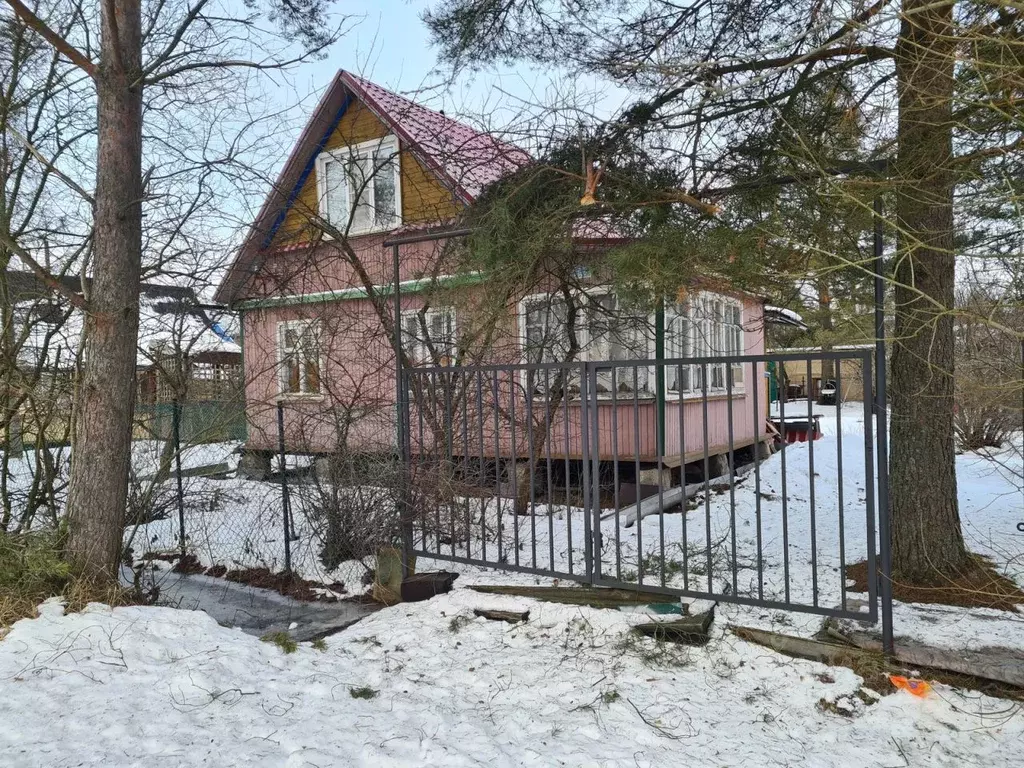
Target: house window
(429, 336)
(545, 329)
(734, 340)
(678, 344)
(299, 357)
(359, 186)
(706, 325)
(604, 330)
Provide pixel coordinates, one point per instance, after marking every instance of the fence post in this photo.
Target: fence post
(285, 500)
(176, 436)
(403, 441)
(591, 483)
(882, 429)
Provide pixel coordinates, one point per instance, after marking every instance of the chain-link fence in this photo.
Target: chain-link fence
(319, 520)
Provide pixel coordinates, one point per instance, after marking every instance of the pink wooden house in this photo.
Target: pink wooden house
(313, 283)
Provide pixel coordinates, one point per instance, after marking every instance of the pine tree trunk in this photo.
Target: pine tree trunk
(101, 443)
(927, 542)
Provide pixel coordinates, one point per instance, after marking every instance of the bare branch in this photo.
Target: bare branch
(44, 275)
(50, 166)
(179, 33)
(76, 57)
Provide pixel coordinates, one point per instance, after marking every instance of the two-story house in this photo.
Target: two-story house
(313, 281)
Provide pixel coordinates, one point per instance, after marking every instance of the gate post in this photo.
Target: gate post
(402, 444)
(176, 436)
(882, 431)
(285, 499)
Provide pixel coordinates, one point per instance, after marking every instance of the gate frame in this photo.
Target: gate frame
(876, 526)
(589, 403)
(878, 408)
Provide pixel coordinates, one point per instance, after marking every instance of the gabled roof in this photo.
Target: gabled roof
(464, 159)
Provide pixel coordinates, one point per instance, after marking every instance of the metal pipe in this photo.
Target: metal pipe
(882, 426)
(176, 431)
(400, 417)
(285, 500)
(427, 237)
(659, 369)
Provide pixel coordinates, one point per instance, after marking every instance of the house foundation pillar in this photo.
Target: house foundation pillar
(718, 466)
(325, 468)
(659, 476)
(254, 465)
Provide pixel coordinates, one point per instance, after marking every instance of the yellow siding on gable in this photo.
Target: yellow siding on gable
(424, 197)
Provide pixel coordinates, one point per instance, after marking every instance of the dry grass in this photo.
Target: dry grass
(33, 570)
(980, 587)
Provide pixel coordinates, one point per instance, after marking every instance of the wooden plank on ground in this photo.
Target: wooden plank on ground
(594, 597)
(1000, 665)
(511, 617)
(801, 647)
(1003, 665)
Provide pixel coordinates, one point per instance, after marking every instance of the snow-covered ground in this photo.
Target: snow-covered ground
(572, 687)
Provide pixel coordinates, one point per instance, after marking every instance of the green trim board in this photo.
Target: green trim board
(350, 294)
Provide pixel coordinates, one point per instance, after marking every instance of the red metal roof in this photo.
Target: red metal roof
(468, 159)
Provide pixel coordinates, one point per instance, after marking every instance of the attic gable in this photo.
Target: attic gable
(444, 164)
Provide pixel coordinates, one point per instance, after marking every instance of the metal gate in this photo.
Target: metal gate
(650, 475)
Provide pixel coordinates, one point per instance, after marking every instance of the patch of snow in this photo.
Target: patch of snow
(571, 687)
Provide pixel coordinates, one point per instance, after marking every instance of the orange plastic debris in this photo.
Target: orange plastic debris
(916, 687)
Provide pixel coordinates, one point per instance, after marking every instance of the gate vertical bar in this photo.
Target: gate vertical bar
(588, 487)
(597, 544)
(285, 499)
(882, 430)
(869, 490)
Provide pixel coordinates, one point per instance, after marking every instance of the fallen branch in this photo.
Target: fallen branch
(689, 630)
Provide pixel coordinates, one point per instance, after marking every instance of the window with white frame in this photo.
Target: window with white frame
(428, 336)
(299, 357)
(359, 186)
(605, 329)
(705, 325)
(678, 344)
(546, 333)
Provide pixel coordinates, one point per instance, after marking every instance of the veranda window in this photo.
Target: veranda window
(429, 336)
(604, 330)
(706, 325)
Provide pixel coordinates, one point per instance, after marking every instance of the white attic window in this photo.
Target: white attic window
(359, 187)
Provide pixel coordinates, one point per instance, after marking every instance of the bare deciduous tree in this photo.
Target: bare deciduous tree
(166, 46)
